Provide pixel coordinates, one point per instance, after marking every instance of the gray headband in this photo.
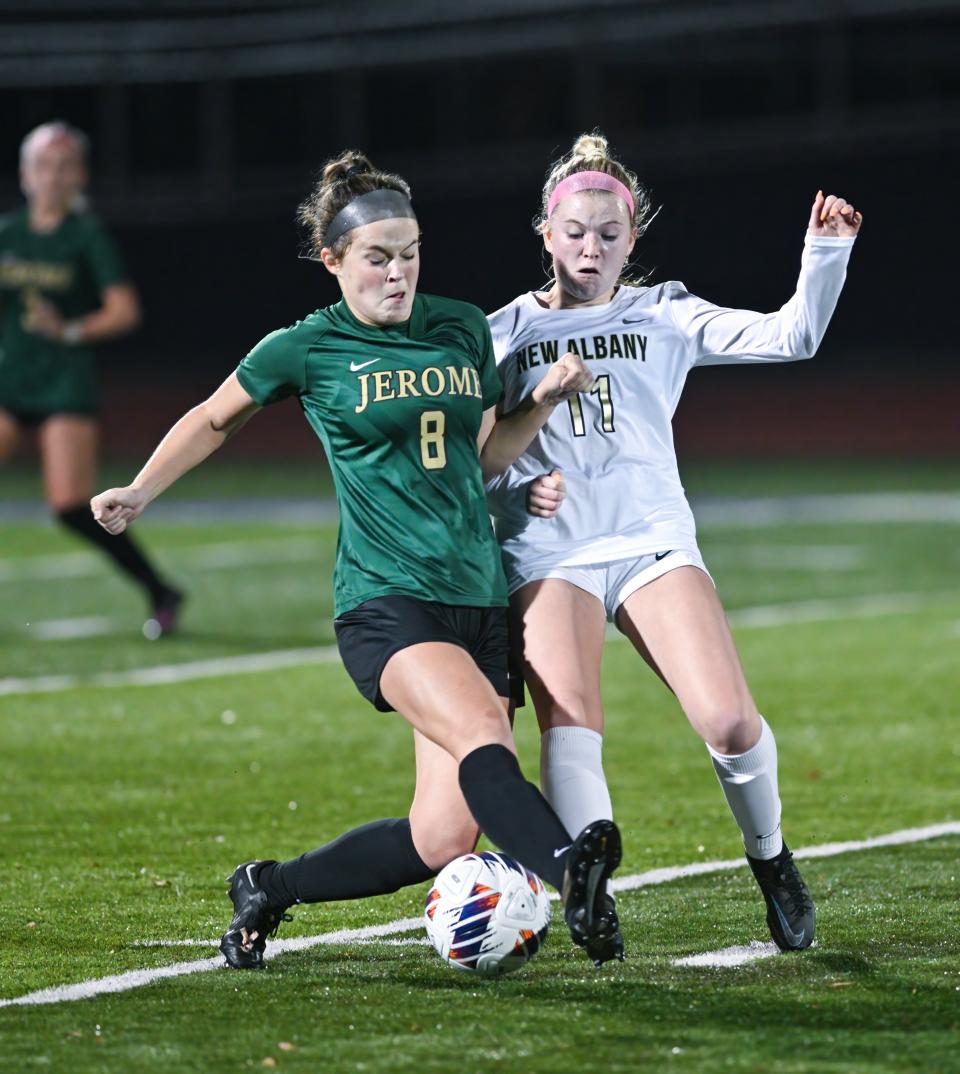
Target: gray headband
(366, 209)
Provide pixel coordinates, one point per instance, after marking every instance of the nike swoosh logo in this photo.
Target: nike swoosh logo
(661, 555)
(562, 850)
(634, 320)
(250, 879)
(795, 938)
(355, 367)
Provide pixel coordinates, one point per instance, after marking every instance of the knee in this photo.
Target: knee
(485, 728)
(439, 848)
(9, 438)
(730, 728)
(569, 708)
(66, 508)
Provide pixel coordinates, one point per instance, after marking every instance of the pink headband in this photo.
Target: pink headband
(589, 181)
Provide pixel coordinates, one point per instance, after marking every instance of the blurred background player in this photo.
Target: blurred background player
(401, 390)
(63, 288)
(624, 546)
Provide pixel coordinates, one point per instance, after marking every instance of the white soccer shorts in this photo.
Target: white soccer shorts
(611, 583)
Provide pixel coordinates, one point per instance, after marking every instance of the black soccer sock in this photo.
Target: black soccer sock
(120, 548)
(374, 859)
(512, 813)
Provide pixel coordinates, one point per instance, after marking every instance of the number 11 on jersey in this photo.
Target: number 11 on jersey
(602, 390)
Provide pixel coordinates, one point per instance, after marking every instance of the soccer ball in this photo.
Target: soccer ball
(487, 914)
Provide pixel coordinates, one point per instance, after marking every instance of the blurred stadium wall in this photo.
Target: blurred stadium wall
(209, 119)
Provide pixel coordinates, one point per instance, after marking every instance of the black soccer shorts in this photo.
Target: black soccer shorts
(368, 635)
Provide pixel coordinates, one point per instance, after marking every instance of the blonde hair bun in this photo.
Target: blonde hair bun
(590, 147)
(591, 152)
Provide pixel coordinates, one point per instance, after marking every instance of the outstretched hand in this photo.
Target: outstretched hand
(567, 377)
(115, 509)
(834, 217)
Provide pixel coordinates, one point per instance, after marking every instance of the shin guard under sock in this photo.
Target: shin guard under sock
(749, 782)
(512, 813)
(374, 859)
(571, 775)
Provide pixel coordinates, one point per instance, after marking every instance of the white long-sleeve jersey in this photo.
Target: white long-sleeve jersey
(615, 444)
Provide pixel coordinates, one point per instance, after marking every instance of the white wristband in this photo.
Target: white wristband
(72, 333)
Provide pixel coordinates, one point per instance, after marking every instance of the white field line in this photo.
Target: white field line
(764, 615)
(166, 674)
(223, 555)
(739, 955)
(90, 626)
(787, 557)
(816, 611)
(868, 507)
(865, 507)
(277, 511)
(873, 606)
(407, 942)
(124, 982)
(175, 943)
(838, 507)
(36, 568)
(810, 611)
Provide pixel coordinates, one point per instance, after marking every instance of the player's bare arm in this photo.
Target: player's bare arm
(511, 434)
(119, 313)
(195, 436)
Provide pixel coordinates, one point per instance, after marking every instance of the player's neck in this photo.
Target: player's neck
(49, 217)
(556, 298)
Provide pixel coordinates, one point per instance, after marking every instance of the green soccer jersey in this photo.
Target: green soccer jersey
(398, 410)
(70, 267)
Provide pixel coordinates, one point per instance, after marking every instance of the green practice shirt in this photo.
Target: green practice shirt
(398, 411)
(70, 267)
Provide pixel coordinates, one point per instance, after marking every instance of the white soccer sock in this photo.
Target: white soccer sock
(571, 776)
(749, 781)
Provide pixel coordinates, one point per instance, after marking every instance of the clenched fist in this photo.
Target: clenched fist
(545, 494)
(568, 376)
(115, 509)
(833, 216)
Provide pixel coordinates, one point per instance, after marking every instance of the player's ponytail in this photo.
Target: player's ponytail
(342, 179)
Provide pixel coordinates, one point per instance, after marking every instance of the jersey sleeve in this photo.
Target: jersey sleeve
(274, 369)
(719, 336)
(490, 385)
(506, 491)
(507, 495)
(504, 326)
(103, 256)
(489, 378)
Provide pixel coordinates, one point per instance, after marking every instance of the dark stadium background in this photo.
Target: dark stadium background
(209, 119)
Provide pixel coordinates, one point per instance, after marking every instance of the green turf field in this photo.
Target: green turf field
(123, 806)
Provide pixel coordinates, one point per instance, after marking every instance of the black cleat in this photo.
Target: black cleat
(254, 919)
(164, 616)
(608, 943)
(592, 920)
(791, 915)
